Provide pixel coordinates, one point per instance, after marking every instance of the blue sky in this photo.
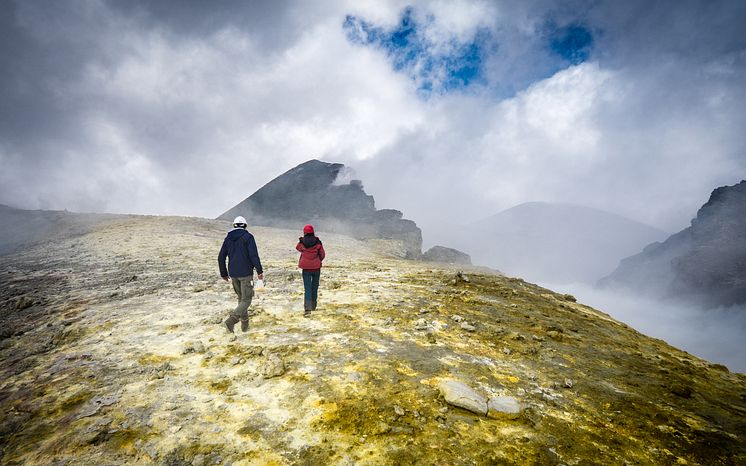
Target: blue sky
(459, 65)
(456, 68)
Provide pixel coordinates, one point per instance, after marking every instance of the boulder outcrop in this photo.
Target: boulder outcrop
(447, 255)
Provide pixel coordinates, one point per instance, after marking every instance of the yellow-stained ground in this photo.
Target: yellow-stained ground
(97, 370)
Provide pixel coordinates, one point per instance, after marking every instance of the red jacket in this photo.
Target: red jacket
(311, 253)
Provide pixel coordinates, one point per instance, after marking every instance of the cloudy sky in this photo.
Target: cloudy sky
(448, 110)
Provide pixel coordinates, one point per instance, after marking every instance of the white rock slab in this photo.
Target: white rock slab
(459, 394)
(503, 407)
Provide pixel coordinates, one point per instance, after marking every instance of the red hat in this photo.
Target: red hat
(308, 228)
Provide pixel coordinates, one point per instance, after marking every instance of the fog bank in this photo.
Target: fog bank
(716, 335)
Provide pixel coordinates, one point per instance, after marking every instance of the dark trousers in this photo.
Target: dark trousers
(244, 288)
(311, 285)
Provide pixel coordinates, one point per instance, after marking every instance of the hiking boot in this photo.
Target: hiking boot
(230, 322)
(307, 313)
(245, 325)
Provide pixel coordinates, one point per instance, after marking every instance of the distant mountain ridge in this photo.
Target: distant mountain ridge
(552, 242)
(705, 262)
(324, 194)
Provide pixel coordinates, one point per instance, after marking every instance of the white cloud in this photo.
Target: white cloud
(209, 117)
(456, 20)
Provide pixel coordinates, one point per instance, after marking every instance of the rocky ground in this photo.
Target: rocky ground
(113, 352)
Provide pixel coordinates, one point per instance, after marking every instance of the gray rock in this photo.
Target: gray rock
(447, 255)
(457, 318)
(420, 324)
(503, 407)
(461, 277)
(194, 347)
(468, 327)
(355, 376)
(151, 451)
(516, 336)
(23, 303)
(96, 403)
(459, 394)
(255, 350)
(273, 366)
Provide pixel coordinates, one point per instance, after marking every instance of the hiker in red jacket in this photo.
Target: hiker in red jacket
(311, 255)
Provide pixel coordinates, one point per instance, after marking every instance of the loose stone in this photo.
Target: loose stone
(468, 327)
(194, 347)
(420, 324)
(273, 367)
(503, 407)
(459, 394)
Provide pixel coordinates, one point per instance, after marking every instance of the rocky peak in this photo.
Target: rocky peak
(326, 195)
(705, 262)
(723, 214)
(311, 190)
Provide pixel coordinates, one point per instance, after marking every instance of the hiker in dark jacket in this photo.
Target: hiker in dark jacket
(311, 255)
(240, 249)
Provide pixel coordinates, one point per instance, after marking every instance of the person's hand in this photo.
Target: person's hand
(225, 278)
(300, 239)
(260, 276)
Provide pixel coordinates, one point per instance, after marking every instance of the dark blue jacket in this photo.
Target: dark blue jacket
(239, 246)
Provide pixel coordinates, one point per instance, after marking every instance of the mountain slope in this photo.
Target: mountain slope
(112, 352)
(555, 243)
(320, 193)
(20, 228)
(705, 262)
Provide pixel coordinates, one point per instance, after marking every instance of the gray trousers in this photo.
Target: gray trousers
(244, 288)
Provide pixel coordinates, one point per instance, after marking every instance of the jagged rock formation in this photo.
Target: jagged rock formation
(113, 353)
(704, 263)
(319, 193)
(551, 243)
(447, 255)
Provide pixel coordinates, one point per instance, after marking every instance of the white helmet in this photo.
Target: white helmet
(239, 221)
